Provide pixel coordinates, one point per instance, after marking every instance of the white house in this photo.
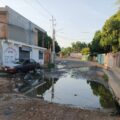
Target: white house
(13, 50)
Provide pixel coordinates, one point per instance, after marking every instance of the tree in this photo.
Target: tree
(110, 37)
(85, 51)
(66, 51)
(118, 1)
(78, 46)
(95, 44)
(47, 42)
(57, 47)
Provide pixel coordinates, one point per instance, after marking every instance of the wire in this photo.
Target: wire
(47, 11)
(36, 8)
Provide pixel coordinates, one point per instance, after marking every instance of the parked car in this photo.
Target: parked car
(23, 66)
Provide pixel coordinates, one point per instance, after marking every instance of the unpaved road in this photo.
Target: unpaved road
(19, 107)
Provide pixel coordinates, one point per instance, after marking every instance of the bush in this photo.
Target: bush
(105, 77)
(51, 65)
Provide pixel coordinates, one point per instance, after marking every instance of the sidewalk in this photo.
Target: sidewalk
(114, 81)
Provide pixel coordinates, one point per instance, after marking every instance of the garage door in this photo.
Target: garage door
(24, 54)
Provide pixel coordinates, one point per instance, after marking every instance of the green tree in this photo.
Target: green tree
(118, 1)
(110, 37)
(78, 46)
(85, 51)
(95, 44)
(57, 47)
(47, 42)
(66, 51)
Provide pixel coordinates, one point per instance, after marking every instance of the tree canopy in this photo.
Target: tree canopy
(78, 46)
(85, 51)
(95, 46)
(110, 35)
(47, 42)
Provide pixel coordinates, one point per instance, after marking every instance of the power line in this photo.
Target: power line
(47, 11)
(68, 38)
(36, 9)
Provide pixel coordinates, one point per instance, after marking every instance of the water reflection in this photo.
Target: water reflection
(71, 88)
(105, 97)
(24, 82)
(40, 90)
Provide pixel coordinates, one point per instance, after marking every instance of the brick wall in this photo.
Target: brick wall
(47, 56)
(3, 24)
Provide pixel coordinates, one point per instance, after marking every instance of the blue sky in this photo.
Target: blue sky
(76, 20)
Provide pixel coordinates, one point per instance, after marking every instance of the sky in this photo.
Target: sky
(76, 20)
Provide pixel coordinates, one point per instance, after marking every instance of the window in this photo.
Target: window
(40, 55)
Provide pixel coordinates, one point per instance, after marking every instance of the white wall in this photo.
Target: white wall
(10, 53)
(35, 56)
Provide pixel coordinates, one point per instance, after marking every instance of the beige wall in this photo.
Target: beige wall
(3, 24)
(36, 37)
(112, 60)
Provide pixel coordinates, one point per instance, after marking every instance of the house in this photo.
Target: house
(18, 38)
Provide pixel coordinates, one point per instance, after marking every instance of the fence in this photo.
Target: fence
(76, 55)
(109, 59)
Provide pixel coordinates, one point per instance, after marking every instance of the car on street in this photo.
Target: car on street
(22, 66)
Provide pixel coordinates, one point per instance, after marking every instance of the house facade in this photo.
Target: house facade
(18, 38)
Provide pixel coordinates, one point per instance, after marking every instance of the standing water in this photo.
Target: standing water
(75, 88)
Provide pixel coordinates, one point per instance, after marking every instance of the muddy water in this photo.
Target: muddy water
(76, 88)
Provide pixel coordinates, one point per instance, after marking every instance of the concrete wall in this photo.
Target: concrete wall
(112, 60)
(35, 56)
(19, 28)
(10, 53)
(76, 55)
(16, 27)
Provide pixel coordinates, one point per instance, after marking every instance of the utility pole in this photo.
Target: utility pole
(53, 41)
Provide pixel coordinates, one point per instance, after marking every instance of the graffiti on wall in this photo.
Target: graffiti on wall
(9, 55)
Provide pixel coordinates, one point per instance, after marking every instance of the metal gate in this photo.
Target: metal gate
(24, 53)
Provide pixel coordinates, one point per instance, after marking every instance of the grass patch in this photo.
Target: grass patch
(51, 65)
(105, 77)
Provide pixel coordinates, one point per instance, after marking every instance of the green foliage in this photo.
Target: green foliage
(78, 46)
(118, 1)
(51, 65)
(85, 51)
(105, 96)
(66, 51)
(110, 36)
(95, 45)
(57, 47)
(47, 42)
(105, 77)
